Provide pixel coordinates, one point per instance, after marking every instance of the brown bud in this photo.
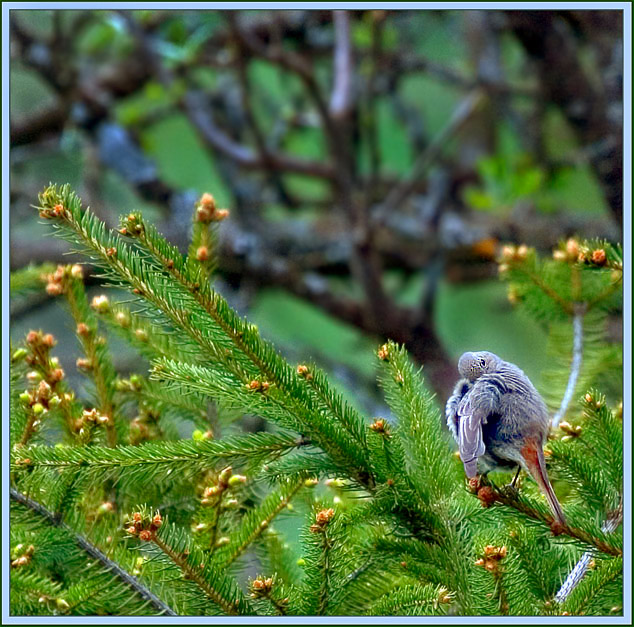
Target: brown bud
(486, 496)
(202, 254)
(380, 425)
(508, 252)
(207, 201)
(82, 329)
(559, 255)
(83, 364)
(383, 352)
(54, 289)
(56, 375)
(474, 483)
(324, 516)
(599, 257)
(220, 215)
(48, 340)
(146, 535)
(43, 391)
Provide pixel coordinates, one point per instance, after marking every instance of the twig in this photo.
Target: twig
(505, 498)
(404, 188)
(578, 572)
(340, 99)
(195, 575)
(263, 525)
(94, 552)
(575, 368)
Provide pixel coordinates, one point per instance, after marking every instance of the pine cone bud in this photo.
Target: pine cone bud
(77, 272)
(101, 304)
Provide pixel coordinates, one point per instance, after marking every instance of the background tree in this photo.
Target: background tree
(368, 156)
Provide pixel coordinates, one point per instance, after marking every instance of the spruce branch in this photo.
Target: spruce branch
(126, 266)
(98, 363)
(258, 520)
(577, 574)
(507, 497)
(600, 428)
(94, 552)
(148, 338)
(148, 526)
(195, 575)
(190, 303)
(48, 389)
(148, 462)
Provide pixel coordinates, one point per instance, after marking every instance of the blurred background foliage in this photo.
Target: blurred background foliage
(373, 162)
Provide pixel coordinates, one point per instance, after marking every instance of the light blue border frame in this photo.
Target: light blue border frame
(626, 619)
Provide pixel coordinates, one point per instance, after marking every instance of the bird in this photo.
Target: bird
(499, 419)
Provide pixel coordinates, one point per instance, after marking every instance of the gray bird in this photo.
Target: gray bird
(498, 417)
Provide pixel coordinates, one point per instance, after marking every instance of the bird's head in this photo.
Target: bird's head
(473, 365)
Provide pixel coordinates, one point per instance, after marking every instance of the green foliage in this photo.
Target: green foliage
(157, 519)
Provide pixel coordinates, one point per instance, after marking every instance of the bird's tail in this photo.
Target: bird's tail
(534, 457)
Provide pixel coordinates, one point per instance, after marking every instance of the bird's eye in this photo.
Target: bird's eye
(483, 363)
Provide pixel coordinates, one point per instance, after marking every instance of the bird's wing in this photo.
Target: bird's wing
(451, 408)
(474, 408)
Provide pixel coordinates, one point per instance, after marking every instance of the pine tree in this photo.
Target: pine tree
(128, 502)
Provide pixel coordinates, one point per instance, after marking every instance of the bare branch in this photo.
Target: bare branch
(94, 552)
(340, 99)
(404, 188)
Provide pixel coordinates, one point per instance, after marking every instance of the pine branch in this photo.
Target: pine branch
(413, 600)
(506, 497)
(148, 462)
(191, 304)
(194, 575)
(193, 563)
(98, 362)
(94, 552)
(257, 520)
(576, 593)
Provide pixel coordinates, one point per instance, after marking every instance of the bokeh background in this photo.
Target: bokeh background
(372, 161)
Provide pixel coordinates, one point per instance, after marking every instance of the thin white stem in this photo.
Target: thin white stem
(581, 567)
(575, 367)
